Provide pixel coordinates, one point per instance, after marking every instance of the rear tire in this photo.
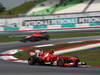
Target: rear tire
(75, 65)
(31, 60)
(35, 60)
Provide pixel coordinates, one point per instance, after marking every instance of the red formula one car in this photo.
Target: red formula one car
(37, 36)
(48, 58)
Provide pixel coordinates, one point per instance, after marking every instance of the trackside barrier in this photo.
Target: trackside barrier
(51, 22)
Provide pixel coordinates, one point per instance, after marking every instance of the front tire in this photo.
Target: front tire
(60, 62)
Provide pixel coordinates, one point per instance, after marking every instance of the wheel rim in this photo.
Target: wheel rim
(61, 62)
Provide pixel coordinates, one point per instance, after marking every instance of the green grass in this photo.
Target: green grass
(44, 11)
(28, 5)
(4, 38)
(24, 55)
(23, 8)
(82, 34)
(20, 9)
(54, 8)
(91, 56)
(68, 4)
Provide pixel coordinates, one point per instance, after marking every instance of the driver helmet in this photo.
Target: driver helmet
(38, 52)
(51, 52)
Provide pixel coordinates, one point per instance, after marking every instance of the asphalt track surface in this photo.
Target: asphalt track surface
(10, 68)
